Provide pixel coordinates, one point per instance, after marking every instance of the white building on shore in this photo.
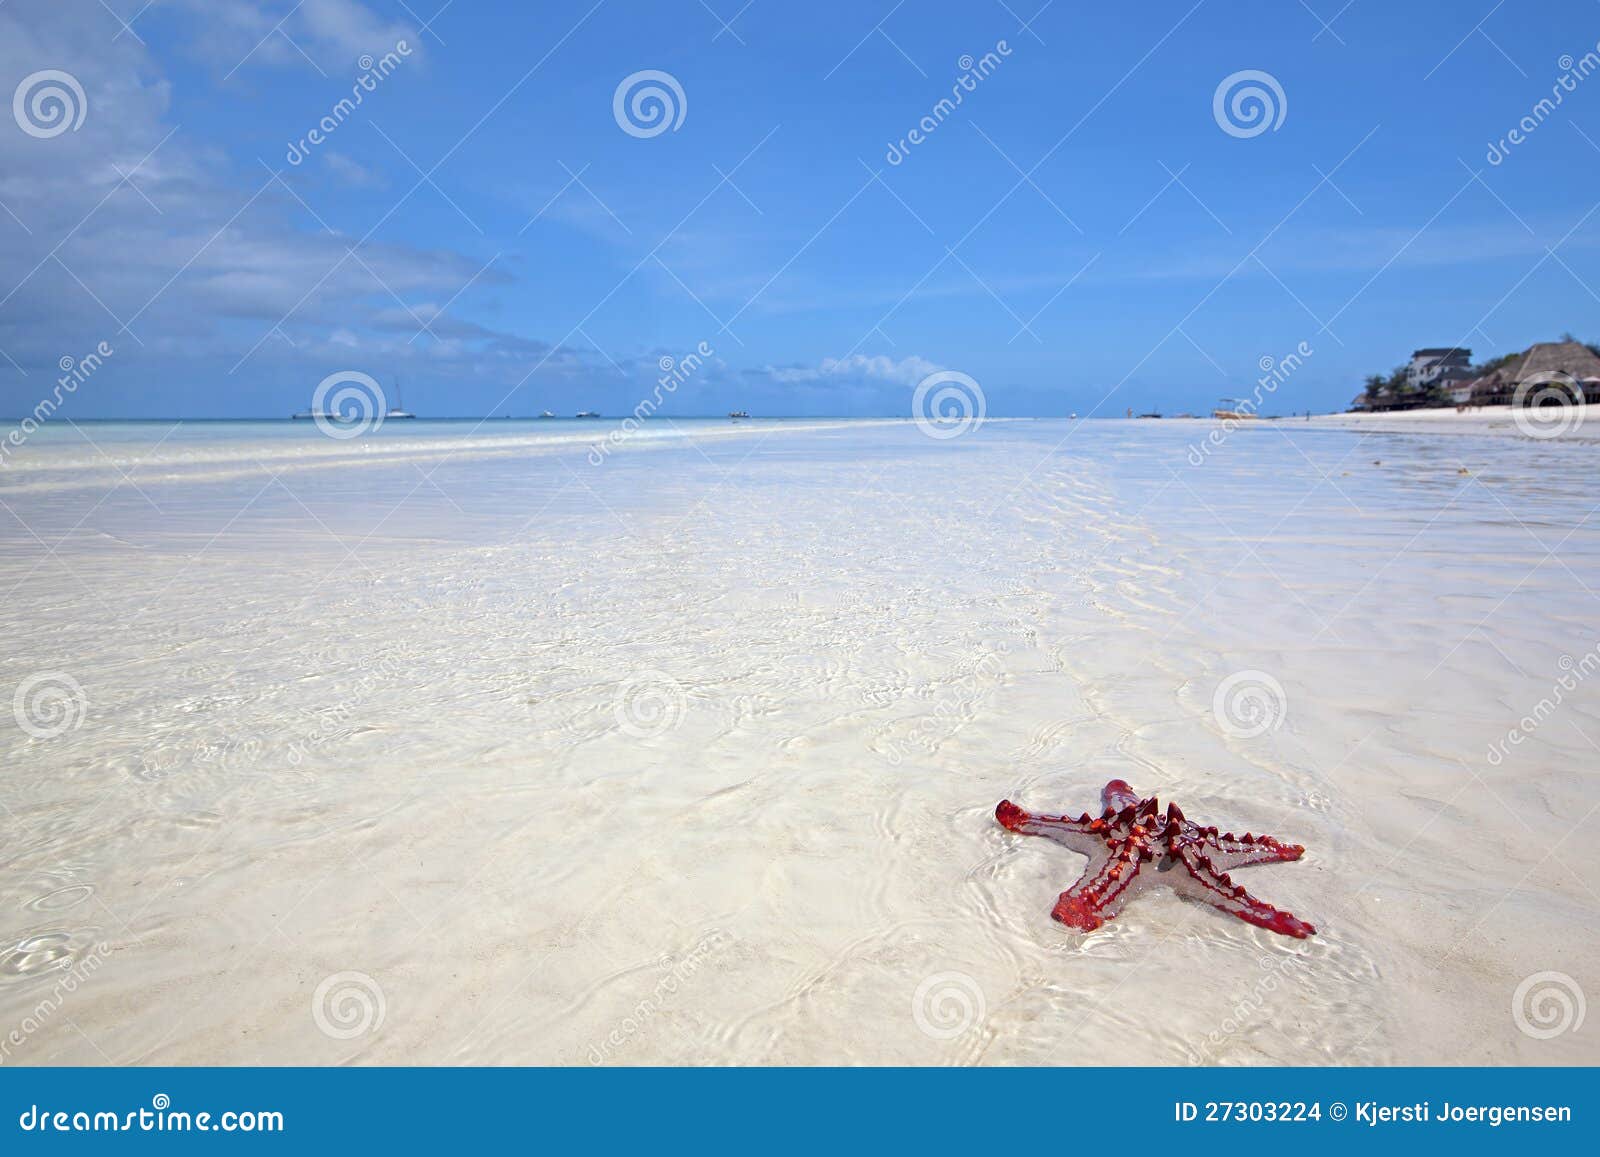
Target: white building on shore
(1443, 367)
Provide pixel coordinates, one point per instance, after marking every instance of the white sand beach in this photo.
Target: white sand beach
(462, 748)
(1568, 423)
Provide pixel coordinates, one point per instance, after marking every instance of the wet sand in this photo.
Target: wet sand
(490, 754)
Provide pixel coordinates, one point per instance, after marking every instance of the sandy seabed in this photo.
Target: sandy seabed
(437, 747)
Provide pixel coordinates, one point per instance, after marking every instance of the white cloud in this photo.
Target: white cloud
(347, 27)
(326, 34)
(859, 368)
(129, 221)
(351, 174)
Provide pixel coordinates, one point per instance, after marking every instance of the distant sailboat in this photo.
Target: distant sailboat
(399, 411)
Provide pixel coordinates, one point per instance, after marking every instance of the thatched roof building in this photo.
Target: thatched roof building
(1565, 365)
(1544, 362)
(1572, 358)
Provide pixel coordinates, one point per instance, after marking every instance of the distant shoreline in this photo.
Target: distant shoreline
(1486, 420)
(1499, 421)
(603, 418)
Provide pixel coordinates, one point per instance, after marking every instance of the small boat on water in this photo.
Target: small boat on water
(317, 416)
(588, 413)
(738, 413)
(399, 409)
(547, 414)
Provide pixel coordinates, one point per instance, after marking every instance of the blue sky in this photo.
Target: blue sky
(1079, 234)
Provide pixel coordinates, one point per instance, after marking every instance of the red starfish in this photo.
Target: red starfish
(1132, 833)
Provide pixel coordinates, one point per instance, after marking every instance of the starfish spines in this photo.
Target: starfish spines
(1233, 852)
(1082, 835)
(1217, 889)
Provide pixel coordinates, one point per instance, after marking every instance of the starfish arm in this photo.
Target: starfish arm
(1101, 891)
(1204, 881)
(1227, 851)
(1081, 834)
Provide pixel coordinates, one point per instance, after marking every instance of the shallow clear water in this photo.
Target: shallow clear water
(478, 745)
